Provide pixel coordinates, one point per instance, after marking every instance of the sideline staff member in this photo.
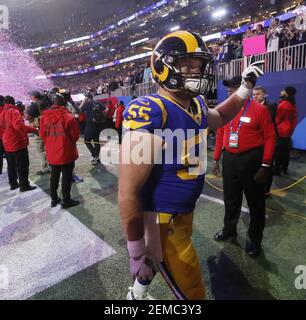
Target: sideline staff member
(249, 143)
(60, 131)
(15, 141)
(261, 96)
(286, 121)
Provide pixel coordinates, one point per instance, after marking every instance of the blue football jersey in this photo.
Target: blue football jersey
(177, 181)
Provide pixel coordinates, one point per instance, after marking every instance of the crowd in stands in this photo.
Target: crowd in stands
(279, 35)
(107, 80)
(83, 55)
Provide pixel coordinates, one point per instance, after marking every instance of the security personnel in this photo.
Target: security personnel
(157, 200)
(15, 141)
(286, 121)
(60, 131)
(261, 96)
(249, 142)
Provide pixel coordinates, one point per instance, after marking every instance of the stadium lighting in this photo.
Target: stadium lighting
(139, 41)
(219, 13)
(175, 28)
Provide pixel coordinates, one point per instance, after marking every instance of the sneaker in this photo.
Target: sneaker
(254, 250)
(70, 203)
(133, 296)
(95, 162)
(76, 178)
(223, 235)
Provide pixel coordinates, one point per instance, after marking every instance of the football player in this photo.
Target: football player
(157, 200)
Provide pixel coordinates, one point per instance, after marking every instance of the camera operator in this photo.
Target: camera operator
(94, 126)
(70, 104)
(40, 102)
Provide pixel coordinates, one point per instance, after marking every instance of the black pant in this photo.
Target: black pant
(270, 181)
(18, 167)
(66, 171)
(1, 156)
(119, 130)
(239, 171)
(282, 154)
(92, 133)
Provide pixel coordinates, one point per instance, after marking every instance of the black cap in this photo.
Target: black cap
(235, 82)
(58, 99)
(291, 91)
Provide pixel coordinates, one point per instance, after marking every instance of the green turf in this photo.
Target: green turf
(228, 272)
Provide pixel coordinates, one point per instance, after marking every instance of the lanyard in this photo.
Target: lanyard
(240, 122)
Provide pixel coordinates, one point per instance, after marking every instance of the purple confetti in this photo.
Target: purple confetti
(19, 71)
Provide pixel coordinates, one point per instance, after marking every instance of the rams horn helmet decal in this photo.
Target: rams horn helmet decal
(179, 45)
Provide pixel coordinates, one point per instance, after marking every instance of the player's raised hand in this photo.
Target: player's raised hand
(252, 73)
(249, 79)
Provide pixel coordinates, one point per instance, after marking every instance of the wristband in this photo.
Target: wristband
(243, 92)
(136, 248)
(265, 165)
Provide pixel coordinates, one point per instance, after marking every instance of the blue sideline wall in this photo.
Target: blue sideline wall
(274, 83)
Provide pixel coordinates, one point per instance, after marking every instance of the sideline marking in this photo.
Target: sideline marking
(41, 246)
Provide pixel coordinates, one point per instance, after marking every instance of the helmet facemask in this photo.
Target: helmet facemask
(193, 83)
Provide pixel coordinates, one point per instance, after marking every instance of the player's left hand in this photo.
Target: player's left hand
(142, 265)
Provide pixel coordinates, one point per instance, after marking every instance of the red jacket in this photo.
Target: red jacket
(60, 132)
(286, 119)
(258, 130)
(13, 130)
(119, 117)
(1, 129)
(111, 111)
